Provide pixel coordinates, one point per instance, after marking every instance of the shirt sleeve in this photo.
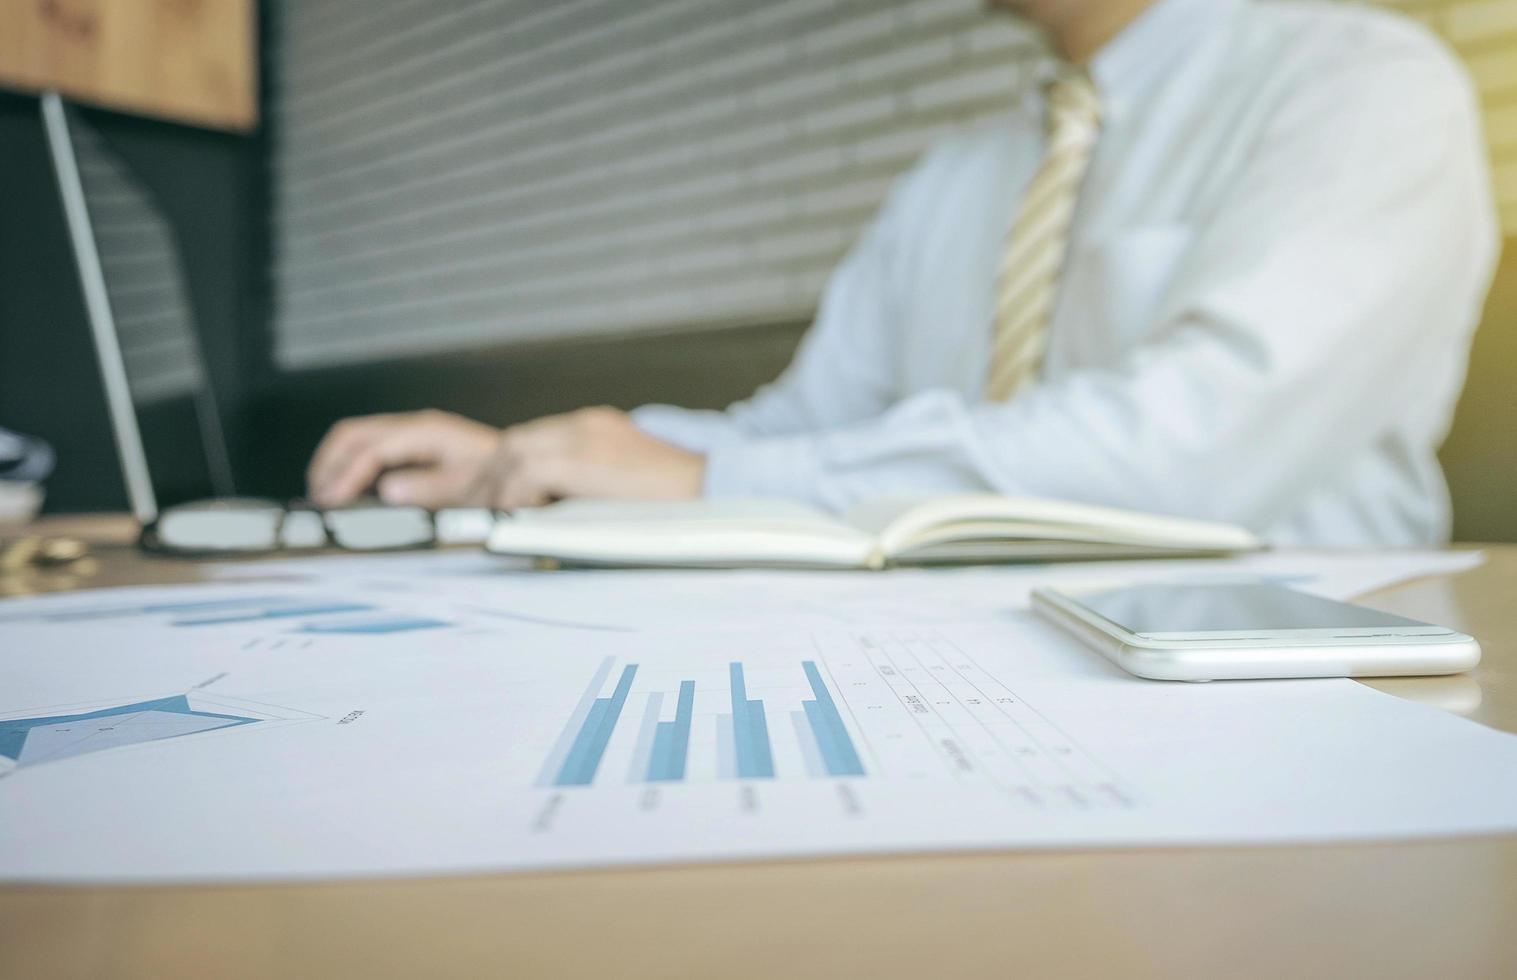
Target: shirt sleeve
(1352, 251)
(844, 371)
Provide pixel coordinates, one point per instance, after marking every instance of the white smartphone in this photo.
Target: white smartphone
(1217, 632)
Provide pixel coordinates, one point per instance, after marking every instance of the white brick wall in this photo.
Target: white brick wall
(465, 172)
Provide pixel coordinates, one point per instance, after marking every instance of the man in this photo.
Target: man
(1222, 259)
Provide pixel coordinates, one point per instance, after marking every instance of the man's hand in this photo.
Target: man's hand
(594, 452)
(430, 459)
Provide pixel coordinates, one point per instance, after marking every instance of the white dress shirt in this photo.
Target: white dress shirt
(1278, 257)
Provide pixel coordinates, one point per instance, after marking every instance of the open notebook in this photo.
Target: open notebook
(970, 528)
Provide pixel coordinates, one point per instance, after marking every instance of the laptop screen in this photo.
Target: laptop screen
(148, 310)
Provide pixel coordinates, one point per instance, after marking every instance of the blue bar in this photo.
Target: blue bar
(283, 612)
(642, 749)
(554, 763)
(568, 772)
(838, 752)
(400, 625)
(750, 734)
(679, 746)
(761, 762)
(109, 612)
(172, 607)
(658, 762)
(671, 744)
(822, 735)
(584, 757)
(726, 748)
(739, 692)
(805, 737)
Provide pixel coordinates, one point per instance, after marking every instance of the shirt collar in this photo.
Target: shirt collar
(1141, 52)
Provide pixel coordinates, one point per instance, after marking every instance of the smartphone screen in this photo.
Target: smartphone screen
(1153, 610)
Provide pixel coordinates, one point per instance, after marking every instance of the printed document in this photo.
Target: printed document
(327, 727)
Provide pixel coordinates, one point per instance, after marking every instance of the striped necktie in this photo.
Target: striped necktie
(1030, 266)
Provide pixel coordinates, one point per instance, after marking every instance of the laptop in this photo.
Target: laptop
(164, 417)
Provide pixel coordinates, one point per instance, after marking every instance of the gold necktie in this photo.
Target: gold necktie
(1030, 266)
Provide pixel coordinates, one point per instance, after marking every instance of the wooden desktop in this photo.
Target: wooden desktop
(1408, 909)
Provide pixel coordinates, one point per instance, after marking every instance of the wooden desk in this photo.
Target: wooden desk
(1417, 909)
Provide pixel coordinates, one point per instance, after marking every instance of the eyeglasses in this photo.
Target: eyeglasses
(237, 526)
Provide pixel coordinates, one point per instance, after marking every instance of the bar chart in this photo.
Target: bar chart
(734, 727)
(903, 706)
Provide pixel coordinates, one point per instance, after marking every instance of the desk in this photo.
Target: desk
(1417, 909)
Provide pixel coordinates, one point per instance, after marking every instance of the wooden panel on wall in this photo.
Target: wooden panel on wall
(190, 61)
(21, 45)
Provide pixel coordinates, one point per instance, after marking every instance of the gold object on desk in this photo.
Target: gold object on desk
(35, 563)
(40, 552)
(1429, 908)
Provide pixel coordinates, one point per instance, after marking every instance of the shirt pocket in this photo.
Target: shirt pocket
(1116, 289)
